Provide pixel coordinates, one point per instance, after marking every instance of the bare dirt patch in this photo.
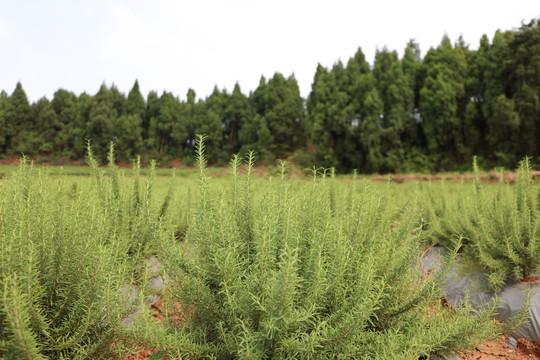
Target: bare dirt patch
(491, 177)
(530, 280)
(499, 349)
(177, 315)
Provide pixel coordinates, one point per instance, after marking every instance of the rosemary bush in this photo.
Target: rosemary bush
(314, 272)
(69, 251)
(60, 270)
(501, 226)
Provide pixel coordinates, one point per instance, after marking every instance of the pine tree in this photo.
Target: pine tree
(237, 113)
(525, 48)
(64, 104)
(135, 104)
(399, 125)
(4, 98)
(442, 93)
(371, 131)
(18, 121)
(335, 110)
(128, 127)
(281, 106)
(497, 90)
(47, 125)
(100, 128)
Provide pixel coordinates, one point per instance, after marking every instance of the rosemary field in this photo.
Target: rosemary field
(254, 268)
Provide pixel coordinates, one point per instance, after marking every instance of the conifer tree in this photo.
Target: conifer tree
(440, 97)
(371, 131)
(278, 102)
(64, 104)
(79, 132)
(319, 107)
(3, 126)
(525, 47)
(168, 128)
(47, 125)
(18, 121)
(497, 90)
(128, 127)
(384, 61)
(399, 126)
(135, 104)
(236, 114)
(150, 121)
(101, 123)
(335, 108)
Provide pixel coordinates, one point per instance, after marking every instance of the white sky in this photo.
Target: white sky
(176, 45)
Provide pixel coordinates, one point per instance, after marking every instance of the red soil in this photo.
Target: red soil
(497, 349)
(177, 315)
(488, 350)
(530, 280)
(491, 177)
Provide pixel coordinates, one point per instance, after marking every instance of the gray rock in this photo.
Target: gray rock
(130, 319)
(153, 265)
(157, 284)
(462, 285)
(134, 304)
(510, 300)
(433, 259)
(151, 299)
(132, 293)
(444, 357)
(511, 342)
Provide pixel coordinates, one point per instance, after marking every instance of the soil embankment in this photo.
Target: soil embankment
(491, 177)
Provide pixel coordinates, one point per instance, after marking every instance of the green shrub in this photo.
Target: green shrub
(447, 210)
(500, 225)
(60, 270)
(71, 248)
(318, 272)
(506, 235)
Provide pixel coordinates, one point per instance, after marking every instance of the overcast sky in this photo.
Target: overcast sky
(176, 45)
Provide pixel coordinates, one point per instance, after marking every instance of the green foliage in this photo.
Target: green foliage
(501, 226)
(102, 121)
(336, 114)
(61, 270)
(318, 271)
(371, 131)
(525, 63)
(277, 127)
(429, 114)
(71, 248)
(440, 101)
(18, 122)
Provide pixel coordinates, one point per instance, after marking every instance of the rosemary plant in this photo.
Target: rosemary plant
(69, 251)
(60, 270)
(314, 272)
(500, 225)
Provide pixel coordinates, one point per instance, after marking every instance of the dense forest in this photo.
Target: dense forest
(397, 115)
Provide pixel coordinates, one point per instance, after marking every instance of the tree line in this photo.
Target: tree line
(401, 114)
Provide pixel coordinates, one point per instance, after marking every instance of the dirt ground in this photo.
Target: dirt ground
(525, 350)
(491, 177)
(489, 350)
